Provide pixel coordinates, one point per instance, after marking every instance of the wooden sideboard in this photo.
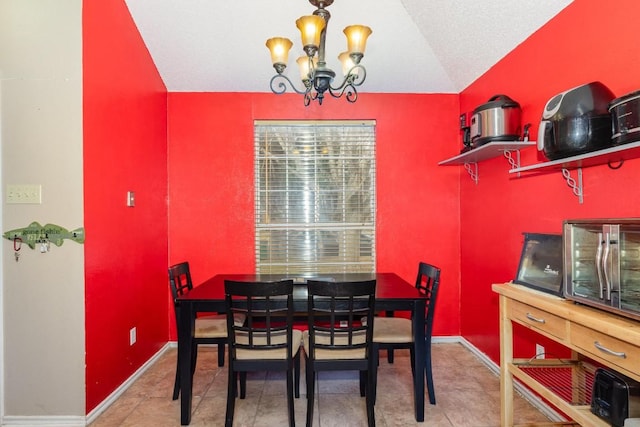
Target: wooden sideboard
(593, 336)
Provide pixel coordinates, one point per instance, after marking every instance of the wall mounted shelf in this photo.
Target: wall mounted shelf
(471, 158)
(613, 156)
(608, 155)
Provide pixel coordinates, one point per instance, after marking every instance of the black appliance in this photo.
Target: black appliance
(615, 397)
(496, 120)
(625, 118)
(576, 121)
(541, 263)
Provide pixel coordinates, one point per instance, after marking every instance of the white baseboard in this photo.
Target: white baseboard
(40, 421)
(79, 421)
(91, 416)
(518, 387)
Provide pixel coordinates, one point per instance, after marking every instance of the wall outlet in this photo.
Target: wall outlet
(24, 193)
(132, 336)
(539, 351)
(131, 199)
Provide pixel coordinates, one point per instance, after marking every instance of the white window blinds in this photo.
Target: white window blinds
(315, 197)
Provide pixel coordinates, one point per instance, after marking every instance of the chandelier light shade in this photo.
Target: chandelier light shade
(357, 38)
(279, 48)
(311, 27)
(316, 77)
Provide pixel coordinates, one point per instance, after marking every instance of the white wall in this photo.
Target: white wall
(43, 293)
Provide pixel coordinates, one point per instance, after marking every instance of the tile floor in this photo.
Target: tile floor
(467, 394)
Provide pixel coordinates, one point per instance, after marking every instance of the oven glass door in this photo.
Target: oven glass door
(630, 267)
(584, 254)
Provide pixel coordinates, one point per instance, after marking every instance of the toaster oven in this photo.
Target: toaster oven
(615, 397)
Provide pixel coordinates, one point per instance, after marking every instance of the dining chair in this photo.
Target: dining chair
(391, 333)
(209, 328)
(266, 341)
(337, 339)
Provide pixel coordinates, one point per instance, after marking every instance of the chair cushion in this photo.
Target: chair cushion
(392, 330)
(279, 353)
(215, 325)
(210, 327)
(327, 354)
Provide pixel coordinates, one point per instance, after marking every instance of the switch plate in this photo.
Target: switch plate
(131, 198)
(24, 193)
(132, 336)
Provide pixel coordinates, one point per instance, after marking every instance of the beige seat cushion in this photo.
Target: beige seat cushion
(392, 330)
(279, 353)
(215, 325)
(326, 354)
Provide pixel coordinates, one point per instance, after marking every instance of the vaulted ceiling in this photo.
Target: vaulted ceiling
(417, 46)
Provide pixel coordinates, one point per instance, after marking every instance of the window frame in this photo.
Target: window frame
(330, 175)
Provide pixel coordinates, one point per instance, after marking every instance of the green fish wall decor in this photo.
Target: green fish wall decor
(35, 233)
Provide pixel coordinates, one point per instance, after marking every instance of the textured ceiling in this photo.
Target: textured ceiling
(417, 46)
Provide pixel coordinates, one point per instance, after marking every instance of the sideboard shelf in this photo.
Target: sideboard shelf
(577, 327)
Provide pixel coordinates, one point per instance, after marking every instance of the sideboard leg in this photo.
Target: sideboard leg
(506, 358)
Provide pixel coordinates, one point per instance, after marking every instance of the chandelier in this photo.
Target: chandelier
(316, 76)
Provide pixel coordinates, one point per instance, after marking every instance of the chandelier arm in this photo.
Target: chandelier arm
(308, 97)
(345, 89)
(352, 78)
(279, 87)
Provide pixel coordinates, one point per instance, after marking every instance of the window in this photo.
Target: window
(315, 197)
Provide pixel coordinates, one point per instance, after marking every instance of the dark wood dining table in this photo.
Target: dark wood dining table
(392, 294)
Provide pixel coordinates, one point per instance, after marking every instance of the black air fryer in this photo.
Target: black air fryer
(576, 121)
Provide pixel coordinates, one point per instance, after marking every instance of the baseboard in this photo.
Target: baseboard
(79, 421)
(82, 421)
(527, 394)
(39, 421)
(91, 416)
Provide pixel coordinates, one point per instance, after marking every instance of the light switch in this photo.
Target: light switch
(24, 193)
(131, 198)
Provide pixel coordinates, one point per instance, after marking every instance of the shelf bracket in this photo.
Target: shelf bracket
(576, 186)
(472, 169)
(513, 163)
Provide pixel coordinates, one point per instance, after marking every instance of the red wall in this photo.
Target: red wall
(211, 182)
(424, 212)
(125, 148)
(588, 41)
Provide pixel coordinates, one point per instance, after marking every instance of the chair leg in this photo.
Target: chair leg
(310, 376)
(221, 354)
(176, 384)
(194, 357)
(243, 385)
(374, 368)
(291, 413)
(427, 368)
(371, 391)
(389, 350)
(296, 374)
(412, 356)
(231, 397)
(363, 383)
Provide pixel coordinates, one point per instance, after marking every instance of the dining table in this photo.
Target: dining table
(392, 294)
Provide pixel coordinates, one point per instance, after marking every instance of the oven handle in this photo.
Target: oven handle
(608, 351)
(599, 264)
(606, 264)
